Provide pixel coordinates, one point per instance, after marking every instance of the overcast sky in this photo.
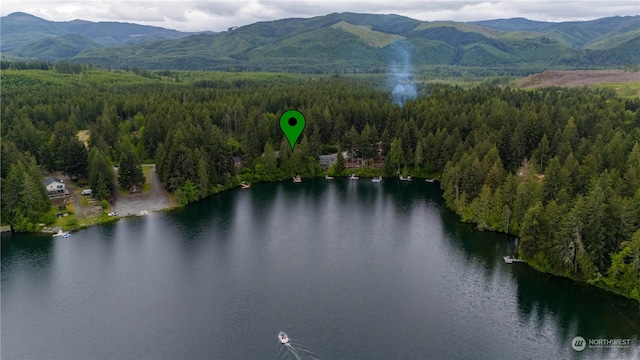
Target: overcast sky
(219, 15)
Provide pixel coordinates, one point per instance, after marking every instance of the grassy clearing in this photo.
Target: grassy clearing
(146, 170)
(71, 222)
(371, 37)
(65, 221)
(628, 90)
(83, 136)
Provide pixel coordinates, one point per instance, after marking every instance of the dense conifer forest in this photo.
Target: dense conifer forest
(559, 168)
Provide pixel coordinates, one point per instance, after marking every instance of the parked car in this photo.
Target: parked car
(86, 192)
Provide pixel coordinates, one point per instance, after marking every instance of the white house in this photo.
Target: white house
(55, 187)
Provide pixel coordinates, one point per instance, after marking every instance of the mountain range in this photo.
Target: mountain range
(334, 42)
(25, 35)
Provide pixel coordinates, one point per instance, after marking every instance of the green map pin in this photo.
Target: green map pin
(292, 124)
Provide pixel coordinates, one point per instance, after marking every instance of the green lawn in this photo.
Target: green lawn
(64, 221)
(71, 222)
(146, 170)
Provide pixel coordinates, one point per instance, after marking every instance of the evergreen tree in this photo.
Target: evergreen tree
(315, 142)
(270, 162)
(24, 198)
(419, 156)
(286, 165)
(130, 172)
(369, 142)
(101, 174)
(624, 273)
(396, 155)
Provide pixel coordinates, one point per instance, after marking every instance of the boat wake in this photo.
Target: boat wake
(294, 350)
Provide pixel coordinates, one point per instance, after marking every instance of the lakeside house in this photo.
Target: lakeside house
(352, 161)
(55, 188)
(327, 160)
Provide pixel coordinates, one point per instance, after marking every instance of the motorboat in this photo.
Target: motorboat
(244, 185)
(61, 233)
(511, 259)
(430, 180)
(284, 339)
(353, 177)
(66, 235)
(327, 177)
(376, 179)
(408, 178)
(297, 179)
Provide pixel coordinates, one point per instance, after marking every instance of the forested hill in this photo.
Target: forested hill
(560, 168)
(345, 42)
(20, 33)
(596, 34)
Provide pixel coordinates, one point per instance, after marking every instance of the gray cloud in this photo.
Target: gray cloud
(219, 15)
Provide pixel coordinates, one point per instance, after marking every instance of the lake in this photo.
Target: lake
(348, 269)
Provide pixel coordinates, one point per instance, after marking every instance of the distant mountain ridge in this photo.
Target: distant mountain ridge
(21, 29)
(577, 34)
(333, 42)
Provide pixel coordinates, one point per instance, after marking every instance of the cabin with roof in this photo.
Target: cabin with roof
(327, 160)
(55, 188)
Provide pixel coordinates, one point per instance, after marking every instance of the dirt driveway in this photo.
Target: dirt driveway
(140, 204)
(93, 208)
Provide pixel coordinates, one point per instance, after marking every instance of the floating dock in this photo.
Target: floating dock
(510, 260)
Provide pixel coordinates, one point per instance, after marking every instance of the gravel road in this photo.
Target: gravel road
(137, 204)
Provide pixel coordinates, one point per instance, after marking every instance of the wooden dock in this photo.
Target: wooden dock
(510, 260)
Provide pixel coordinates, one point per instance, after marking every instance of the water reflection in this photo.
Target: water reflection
(261, 199)
(28, 254)
(197, 219)
(545, 301)
(352, 267)
(543, 298)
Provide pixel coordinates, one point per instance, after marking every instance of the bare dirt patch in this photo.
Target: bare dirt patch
(578, 78)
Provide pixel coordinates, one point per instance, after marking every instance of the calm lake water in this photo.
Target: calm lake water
(348, 269)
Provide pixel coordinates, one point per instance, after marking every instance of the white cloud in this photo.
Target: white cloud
(219, 15)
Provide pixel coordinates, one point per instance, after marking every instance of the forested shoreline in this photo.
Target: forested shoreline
(560, 168)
